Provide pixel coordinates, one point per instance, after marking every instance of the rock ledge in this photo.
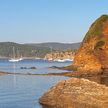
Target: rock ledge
(76, 93)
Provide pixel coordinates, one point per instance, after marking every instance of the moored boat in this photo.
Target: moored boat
(14, 59)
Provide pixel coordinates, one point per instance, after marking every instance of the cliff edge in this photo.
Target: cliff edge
(90, 61)
(92, 54)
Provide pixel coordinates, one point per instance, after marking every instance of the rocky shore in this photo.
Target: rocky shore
(62, 54)
(76, 93)
(90, 63)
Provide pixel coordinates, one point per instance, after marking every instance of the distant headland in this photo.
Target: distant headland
(33, 51)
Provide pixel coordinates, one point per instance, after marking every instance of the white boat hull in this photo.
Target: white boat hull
(15, 60)
(58, 60)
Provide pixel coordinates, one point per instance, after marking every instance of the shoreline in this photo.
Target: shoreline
(101, 79)
(49, 74)
(22, 57)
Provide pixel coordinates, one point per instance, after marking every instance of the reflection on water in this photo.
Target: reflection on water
(14, 76)
(27, 90)
(24, 91)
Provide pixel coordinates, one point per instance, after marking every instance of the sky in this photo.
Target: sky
(37, 21)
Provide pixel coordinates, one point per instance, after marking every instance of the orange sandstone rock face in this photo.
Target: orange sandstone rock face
(76, 93)
(90, 60)
(93, 52)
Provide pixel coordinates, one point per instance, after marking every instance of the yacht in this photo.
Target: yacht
(14, 59)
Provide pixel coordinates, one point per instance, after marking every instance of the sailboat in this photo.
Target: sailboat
(14, 59)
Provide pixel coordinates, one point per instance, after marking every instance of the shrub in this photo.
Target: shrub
(100, 43)
(90, 51)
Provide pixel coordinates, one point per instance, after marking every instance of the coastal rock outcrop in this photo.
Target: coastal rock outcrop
(92, 55)
(93, 52)
(62, 54)
(28, 68)
(90, 62)
(76, 93)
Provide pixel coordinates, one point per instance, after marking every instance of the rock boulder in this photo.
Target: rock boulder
(76, 93)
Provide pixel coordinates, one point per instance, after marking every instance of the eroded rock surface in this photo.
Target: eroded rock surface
(93, 52)
(76, 93)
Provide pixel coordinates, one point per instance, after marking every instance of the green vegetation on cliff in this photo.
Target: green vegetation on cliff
(97, 28)
(90, 51)
(100, 43)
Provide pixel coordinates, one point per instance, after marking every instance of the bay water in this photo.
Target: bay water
(24, 91)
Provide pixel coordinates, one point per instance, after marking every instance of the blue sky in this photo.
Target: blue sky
(35, 21)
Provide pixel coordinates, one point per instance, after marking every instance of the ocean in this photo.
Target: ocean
(24, 91)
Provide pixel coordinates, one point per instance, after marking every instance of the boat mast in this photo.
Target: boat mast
(51, 53)
(13, 52)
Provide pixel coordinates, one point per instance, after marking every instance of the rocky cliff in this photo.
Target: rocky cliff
(92, 55)
(91, 62)
(93, 52)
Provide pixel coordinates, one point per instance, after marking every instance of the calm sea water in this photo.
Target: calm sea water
(24, 91)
